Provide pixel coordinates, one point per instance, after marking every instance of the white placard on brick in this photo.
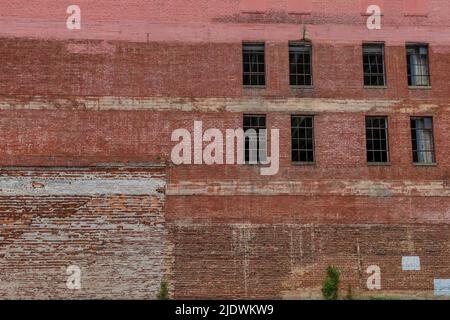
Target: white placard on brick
(442, 287)
(411, 263)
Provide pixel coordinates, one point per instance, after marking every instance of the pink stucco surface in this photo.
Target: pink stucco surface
(227, 20)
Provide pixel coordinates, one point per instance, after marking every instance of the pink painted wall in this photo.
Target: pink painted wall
(226, 20)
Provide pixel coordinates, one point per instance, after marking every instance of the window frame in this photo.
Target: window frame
(313, 137)
(251, 73)
(383, 55)
(410, 45)
(387, 150)
(433, 150)
(311, 75)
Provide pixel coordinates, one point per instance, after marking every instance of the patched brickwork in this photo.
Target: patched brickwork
(116, 237)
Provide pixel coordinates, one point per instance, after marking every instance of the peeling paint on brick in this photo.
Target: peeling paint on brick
(204, 105)
(117, 236)
(78, 187)
(363, 188)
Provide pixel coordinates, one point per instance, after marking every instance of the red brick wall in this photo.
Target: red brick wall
(65, 138)
(289, 261)
(51, 68)
(113, 96)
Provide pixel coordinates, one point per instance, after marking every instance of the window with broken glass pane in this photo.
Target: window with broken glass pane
(373, 62)
(254, 64)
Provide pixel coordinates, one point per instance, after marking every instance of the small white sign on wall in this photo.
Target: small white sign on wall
(442, 287)
(411, 263)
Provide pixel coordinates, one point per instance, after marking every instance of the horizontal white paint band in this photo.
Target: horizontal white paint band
(246, 104)
(203, 104)
(27, 186)
(365, 188)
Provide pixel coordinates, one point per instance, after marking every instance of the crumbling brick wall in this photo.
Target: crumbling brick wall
(108, 222)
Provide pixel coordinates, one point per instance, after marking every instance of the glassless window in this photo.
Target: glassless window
(302, 132)
(377, 145)
(300, 73)
(373, 62)
(417, 63)
(254, 64)
(422, 140)
(255, 135)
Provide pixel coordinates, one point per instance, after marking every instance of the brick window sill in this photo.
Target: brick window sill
(255, 87)
(434, 164)
(293, 87)
(378, 164)
(420, 87)
(300, 164)
(375, 87)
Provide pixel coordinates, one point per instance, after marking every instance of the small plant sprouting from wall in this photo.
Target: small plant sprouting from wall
(163, 293)
(330, 286)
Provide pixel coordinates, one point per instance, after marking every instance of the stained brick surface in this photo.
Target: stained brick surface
(96, 107)
(288, 261)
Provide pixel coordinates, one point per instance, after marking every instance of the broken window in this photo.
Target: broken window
(255, 135)
(422, 140)
(254, 64)
(302, 132)
(300, 64)
(377, 145)
(417, 63)
(373, 62)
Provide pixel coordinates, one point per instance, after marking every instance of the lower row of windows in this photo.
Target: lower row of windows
(377, 139)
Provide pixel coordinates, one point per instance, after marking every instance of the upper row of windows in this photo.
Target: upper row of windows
(300, 64)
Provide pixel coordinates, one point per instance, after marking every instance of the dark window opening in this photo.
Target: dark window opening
(300, 71)
(417, 63)
(255, 135)
(377, 145)
(302, 132)
(422, 140)
(254, 64)
(373, 62)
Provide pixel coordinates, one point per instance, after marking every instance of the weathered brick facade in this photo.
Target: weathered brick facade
(86, 118)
